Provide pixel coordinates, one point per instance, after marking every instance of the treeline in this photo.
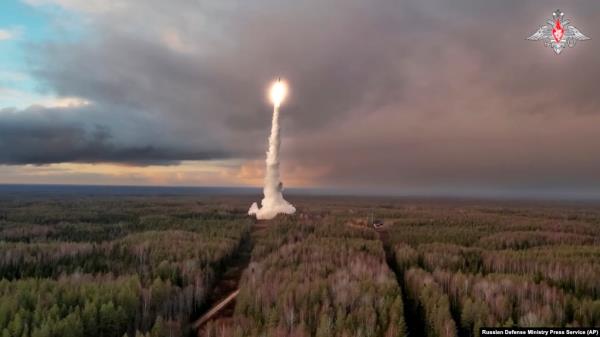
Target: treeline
(78, 306)
(430, 301)
(176, 255)
(97, 219)
(317, 281)
(497, 269)
(573, 268)
(476, 227)
(528, 239)
(148, 273)
(81, 305)
(492, 300)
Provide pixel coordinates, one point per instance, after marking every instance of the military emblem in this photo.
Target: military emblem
(558, 33)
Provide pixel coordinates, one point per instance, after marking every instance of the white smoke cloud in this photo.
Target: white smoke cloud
(273, 202)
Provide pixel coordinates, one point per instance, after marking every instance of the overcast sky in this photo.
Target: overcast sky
(403, 96)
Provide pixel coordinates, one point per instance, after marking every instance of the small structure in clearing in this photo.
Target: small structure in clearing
(377, 224)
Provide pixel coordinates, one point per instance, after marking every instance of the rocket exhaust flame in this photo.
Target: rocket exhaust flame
(273, 202)
(278, 93)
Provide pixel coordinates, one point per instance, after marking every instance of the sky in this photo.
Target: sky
(393, 96)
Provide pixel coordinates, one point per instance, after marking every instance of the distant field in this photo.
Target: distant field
(142, 264)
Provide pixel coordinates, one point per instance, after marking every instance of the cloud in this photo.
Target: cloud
(398, 94)
(9, 34)
(89, 6)
(40, 135)
(23, 98)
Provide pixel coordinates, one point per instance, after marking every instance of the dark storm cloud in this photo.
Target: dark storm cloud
(42, 136)
(389, 93)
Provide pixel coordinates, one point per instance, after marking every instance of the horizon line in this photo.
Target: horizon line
(327, 191)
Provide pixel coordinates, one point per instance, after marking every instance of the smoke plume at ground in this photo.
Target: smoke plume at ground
(273, 202)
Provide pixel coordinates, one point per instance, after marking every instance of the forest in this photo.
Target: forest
(106, 267)
(138, 266)
(307, 280)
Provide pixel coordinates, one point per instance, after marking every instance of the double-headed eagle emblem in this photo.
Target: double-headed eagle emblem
(558, 33)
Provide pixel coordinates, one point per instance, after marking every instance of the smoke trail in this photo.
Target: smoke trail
(273, 202)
